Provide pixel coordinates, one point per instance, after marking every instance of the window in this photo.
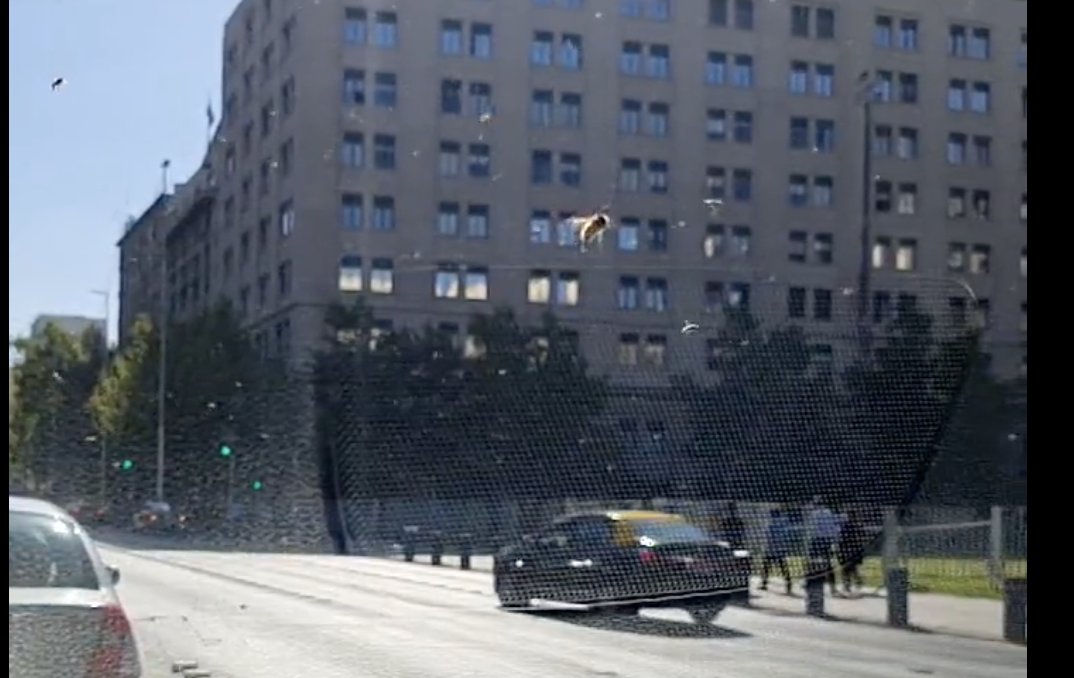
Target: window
(658, 64)
(354, 26)
(658, 120)
(566, 233)
(822, 304)
(908, 88)
(824, 80)
(956, 148)
(657, 171)
(823, 247)
(716, 182)
(884, 200)
(477, 221)
(743, 127)
(714, 243)
(882, 32)
(798, 244)
(656, 294)
(630, 58)
(476, 284)
(908, 35)
(981, 259)
(541, 167)
(539, 289)
(628, 293)
(629, 174)
(800, 21)
(568, 289)
(451, 97)
(1023, 212)
(742, 185)
(541, 105)
(628, 349)
(881, 252)
(629, 117)
(570, 52)
(799, 138)
(480, 99)
(540, 227)
(716, 124)
(956, 257)
(956, 95)
(385, 90)
(386, 29)
(744, 15)
(825, 23)
(823, 191)
(287, 218)
(450, 37)
(658, 235)
(655, 350)
(447, 218)
(907, 199)
(382, 277)
(1023, 263)
(450, 161)
(718, 12)
(354, 87)
(446, 282)
(906, 255)
(714, 296)
(883, 143)
(740, 241)
(570, 110)
(738, 295)
(350, 273)
(383, 213)
(982, 205)
(353, 150)
(798, 82)
(798, 190)
(979, 45)
(981, 97)
(824, 136)
(716, 69)
(956, 309)
(796, 302)
(884, 86)
(906, 148)
(570, 169)
(481, 41)
(628, 234)
(956, 203)
(480, 160)
(284, 278)
(742, 71)
(352, 212)
(384, 152)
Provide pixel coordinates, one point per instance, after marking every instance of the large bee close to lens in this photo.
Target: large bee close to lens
(591, 228)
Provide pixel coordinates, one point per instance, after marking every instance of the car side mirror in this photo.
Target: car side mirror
(113, 574)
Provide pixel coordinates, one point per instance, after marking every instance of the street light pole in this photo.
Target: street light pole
(865, 262)
(162, 372)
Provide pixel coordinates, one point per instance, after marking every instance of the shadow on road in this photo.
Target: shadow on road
(645, 626)
(195, 542)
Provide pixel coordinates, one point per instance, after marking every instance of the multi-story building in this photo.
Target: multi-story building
(72, 324)
(426, 155)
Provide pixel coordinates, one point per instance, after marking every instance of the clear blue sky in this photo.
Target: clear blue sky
(82, 159)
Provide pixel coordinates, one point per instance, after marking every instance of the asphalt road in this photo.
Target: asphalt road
(291, 616)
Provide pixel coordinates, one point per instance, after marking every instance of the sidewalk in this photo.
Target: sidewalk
(952, 615)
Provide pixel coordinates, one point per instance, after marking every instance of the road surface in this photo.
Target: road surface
(293, 616)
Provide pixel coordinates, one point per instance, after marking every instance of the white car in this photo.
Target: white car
(64, 618)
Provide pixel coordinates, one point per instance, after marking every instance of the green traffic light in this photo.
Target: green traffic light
(225, 450)
(127, 465)
(258, 485)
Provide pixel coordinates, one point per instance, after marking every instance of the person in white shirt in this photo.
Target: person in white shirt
(824, 527)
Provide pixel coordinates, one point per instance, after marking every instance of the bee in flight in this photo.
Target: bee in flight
(591, 228)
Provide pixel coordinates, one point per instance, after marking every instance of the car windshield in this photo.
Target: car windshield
(45, 552)
(654, 533)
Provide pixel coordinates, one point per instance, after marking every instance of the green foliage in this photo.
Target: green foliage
(409, 413)
(48, 424)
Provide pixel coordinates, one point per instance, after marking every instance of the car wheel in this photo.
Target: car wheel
(703, 616)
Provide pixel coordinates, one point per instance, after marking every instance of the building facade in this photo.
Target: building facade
(426, 156)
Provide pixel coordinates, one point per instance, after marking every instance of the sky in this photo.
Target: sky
(86, 157)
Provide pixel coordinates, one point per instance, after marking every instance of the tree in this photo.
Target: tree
(764, 429)
(408, 413)
(50, 426)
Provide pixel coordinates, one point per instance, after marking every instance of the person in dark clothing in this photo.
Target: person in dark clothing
(777, 545)
(734, 528)
(851, 551)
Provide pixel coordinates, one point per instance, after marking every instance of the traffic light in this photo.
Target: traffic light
(225, 450)
(126, 465)
(257, 485)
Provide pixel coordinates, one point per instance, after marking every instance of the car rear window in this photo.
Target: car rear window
(668, 532)
(45, 552)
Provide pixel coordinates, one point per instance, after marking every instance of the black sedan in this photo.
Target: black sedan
(622, 561)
